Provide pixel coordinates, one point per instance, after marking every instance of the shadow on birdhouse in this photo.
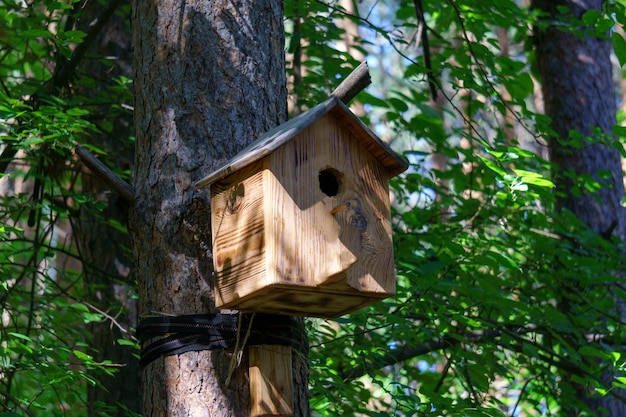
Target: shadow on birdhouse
(301, 218)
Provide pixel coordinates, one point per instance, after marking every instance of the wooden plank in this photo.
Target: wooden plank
(238, 229)
(271, 381)
(392, 162)
(317, 242)
(306, 301)
(124, 189)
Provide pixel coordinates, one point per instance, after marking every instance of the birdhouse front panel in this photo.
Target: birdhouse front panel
(305, 230)
(333, 212)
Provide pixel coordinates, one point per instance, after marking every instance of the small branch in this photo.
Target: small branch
(444, 374)
(399, 355)
(17, 402)
(7, 156)
(354, 83)
(63, 74)
(521, 393)
(113, 320)
(419, 10)
(117, 184)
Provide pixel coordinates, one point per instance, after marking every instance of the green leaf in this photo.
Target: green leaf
(620, 130)
(492, 166)
(590, 350)
(590, 17)
(504, 259)
(399, 105)
(126, 342)
(57, 5)
(519, 86)
(534, 178)
(20, 336)
(37, 33)
(366, 98)
(92, 317)
(75, 111)
(540, 182)
(79, 307)
(619, 46)
(74, 35)
(82, 356)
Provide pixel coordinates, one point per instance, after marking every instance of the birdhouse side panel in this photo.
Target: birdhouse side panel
(271, 381)
(238, 228)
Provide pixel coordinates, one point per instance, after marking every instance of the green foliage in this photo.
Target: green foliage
(498, 300)
(46, 355)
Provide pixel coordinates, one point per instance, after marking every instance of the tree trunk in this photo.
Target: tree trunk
(209, 78)
(579, 96)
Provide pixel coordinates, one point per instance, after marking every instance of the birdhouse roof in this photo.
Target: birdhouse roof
(274, 138)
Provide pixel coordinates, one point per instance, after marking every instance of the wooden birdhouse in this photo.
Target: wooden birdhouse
(301, 218)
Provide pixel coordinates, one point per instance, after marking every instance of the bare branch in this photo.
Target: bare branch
(409, 352)
(117, 184)
(432, 83)
(354, 83)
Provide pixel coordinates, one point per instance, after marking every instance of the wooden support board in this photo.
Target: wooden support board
(271, 381)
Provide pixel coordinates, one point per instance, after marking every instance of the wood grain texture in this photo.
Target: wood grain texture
(284, 245)
(271, 381)
(306, 301)
(325, 244)
(354, 83)
(238, 225)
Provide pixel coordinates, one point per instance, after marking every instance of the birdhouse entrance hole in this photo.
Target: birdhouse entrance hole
(330, 181)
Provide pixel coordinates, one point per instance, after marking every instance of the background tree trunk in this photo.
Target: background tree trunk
(579, 96)
(209, 78)
(107, 266)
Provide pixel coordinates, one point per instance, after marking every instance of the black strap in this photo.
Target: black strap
(172, 335)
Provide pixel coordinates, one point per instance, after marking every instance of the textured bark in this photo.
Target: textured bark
(209, 78)
(579, 96)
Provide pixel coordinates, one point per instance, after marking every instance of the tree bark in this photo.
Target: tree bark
(579, 96)
(209, 78)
